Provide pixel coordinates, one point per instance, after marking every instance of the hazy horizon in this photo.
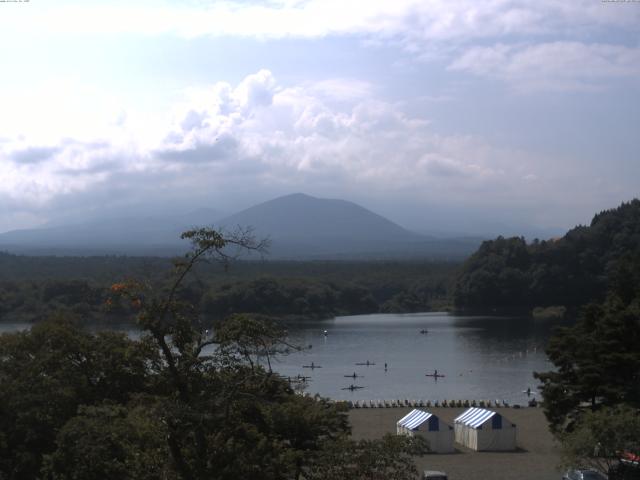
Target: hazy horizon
(204, 216)
(474, 118)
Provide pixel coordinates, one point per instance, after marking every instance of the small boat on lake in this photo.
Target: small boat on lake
(312, 366)
(355, 375)
(367, 363)
(352, 387)
(295, 379)
(424, 331)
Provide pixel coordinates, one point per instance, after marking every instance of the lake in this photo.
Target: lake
(482, 357)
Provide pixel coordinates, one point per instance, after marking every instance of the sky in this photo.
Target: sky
(443, 115)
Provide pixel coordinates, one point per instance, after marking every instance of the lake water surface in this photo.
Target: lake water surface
(482, 358)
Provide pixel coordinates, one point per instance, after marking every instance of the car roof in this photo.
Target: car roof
(590, 471)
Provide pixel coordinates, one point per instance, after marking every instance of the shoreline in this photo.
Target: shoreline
(406, 403)
(535, 458)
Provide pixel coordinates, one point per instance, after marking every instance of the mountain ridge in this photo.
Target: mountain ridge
(299, 226)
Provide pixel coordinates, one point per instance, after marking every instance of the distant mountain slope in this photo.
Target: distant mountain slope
(302, 226)
(570, 271)
(302, 219)
(299, 226)
(137, 235)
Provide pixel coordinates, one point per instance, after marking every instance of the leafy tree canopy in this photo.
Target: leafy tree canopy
(601, 437)
(597, 360)
(571, 271)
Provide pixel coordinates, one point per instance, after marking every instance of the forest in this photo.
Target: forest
(569, 271)
(34, 288)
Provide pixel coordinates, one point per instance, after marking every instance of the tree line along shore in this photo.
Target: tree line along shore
(544, 277)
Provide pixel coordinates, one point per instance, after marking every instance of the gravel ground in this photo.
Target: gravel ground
(535, 459)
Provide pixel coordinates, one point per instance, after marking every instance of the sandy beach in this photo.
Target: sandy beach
(535, 459)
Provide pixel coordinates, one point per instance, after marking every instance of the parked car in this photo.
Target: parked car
(583, 474)
(628, 468)
(434, 475)
(631, 460)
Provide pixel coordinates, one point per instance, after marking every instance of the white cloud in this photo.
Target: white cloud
(555, 66)
(342, 89)
(255, 90)
(412, 20)
(260, 135)
(529, 38)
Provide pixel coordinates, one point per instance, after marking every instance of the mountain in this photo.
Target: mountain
(298, 225)
(302, 226)
(127, 235)
(300, 217)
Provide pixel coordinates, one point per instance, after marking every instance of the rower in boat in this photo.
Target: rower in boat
(352, 387)
(367, 363)
(435, 374)
(299, 379)
(424, 331)
(355, 375)
(312, 366)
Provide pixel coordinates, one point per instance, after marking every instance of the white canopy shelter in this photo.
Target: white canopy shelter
(438, 434)
(481, 429)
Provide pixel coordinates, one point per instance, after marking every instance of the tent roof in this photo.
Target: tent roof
(414, 419)
(474, 417)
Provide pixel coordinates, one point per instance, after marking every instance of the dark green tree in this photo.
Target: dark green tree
(570, 271)
(226, 415)
(46, 373)
(110, 441)
(390, 458)
(601, 437)
(597, 360)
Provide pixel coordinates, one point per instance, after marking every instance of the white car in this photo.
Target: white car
(583, 474)
(434, 475)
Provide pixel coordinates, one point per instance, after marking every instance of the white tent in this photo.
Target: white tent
(481, 429)
(431, 428)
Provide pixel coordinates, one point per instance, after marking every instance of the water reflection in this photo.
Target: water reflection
(481, 357)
